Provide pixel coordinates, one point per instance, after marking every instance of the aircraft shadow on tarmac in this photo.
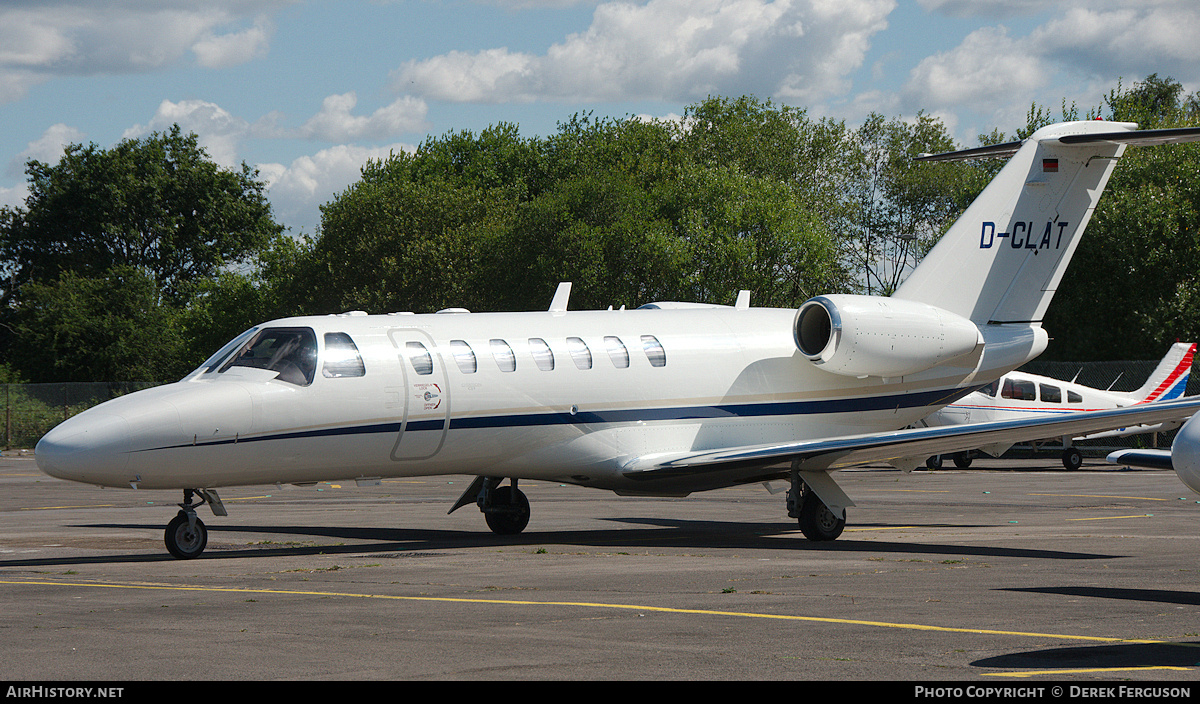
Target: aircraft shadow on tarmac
(1166, 596)
(1128, 655)
(665, 533)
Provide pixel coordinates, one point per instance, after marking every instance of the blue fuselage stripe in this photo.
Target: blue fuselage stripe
(750, 410)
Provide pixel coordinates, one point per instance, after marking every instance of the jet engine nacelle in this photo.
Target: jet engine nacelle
(873, 336)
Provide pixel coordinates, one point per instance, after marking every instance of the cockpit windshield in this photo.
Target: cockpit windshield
(290, 351)
(212, 363)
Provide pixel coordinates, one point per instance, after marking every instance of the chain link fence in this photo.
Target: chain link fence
(30, 410)
(1108, 376)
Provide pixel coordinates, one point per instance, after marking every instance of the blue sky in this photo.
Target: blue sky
(308, 91)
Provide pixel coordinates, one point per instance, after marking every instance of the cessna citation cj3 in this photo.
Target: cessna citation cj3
(665, 400)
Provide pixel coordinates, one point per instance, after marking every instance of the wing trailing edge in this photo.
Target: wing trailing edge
(900, 447)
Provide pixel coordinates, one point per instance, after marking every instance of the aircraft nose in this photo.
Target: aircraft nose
(90, 447)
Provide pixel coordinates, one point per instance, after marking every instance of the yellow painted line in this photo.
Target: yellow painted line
(1033, 673)
(920, 491)
(852, 530)
(1110, 518)
(1104, 496)
(48, 508)
(597, 605)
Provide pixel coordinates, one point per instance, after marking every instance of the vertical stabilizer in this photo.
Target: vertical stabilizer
(1003, 259)
(1169, 379)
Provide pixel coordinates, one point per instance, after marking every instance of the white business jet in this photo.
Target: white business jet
(1020, 395)
(665, 400)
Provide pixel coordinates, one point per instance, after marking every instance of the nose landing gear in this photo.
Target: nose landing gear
(186, 536)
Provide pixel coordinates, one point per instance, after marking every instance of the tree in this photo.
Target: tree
(1133, 285)
(630, 210)
(112, 246)
(158, 204)
(107, 328)
(902, 207)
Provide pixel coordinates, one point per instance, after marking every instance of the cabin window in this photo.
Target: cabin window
(341, 357)
(580, 352)
(292, 352)
(418, 355)
(542, 356)
(1019, 390)
(617, 352)
(464, 356)
(1073, 397)
(1050, 394)
(503, 354)
(654, 351)
(990, 389)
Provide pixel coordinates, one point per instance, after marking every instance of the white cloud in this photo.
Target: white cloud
(40, 41)
(218, 131)
(1148, 40)
(985, 8)
(1078, 54)
(298, 190)
(334, 123)
(47, 149)
(222, 51)
(988, 67)
(670, 50)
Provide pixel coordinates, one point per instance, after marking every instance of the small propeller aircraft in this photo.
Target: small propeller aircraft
(665, 400)
(1020, 395)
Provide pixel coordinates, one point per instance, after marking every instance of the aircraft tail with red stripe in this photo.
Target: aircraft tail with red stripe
(1170, 377)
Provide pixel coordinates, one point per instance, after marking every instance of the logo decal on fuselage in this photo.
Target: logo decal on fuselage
(1023, 235)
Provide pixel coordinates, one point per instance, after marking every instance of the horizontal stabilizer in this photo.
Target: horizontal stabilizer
(1145, 459)
(1134, 138)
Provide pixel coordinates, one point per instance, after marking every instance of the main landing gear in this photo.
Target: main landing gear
(817, 521)
(505, 508)
(186, 536)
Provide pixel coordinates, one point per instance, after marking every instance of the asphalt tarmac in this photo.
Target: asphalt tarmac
(1002, 575)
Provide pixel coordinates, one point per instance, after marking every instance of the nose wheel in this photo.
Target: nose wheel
(186, 536)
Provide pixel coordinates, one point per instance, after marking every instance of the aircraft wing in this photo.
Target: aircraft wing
(903, 448)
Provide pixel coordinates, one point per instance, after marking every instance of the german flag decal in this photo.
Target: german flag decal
(1050, 166)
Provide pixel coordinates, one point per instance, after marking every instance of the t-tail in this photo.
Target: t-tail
(1003, 259)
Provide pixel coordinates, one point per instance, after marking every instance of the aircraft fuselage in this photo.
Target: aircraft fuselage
(568, 396)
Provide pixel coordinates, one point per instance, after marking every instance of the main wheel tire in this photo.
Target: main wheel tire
(817, 522)
(1072, 459)
(514, 515)
(962, 460)
(934, 462)
(183, 541)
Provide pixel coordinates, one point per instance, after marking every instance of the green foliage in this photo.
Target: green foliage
(119, 267)
(111, 327)
(158, 204)
(1132, 288)
(111, 249)
(902, 206)
(629, 210)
